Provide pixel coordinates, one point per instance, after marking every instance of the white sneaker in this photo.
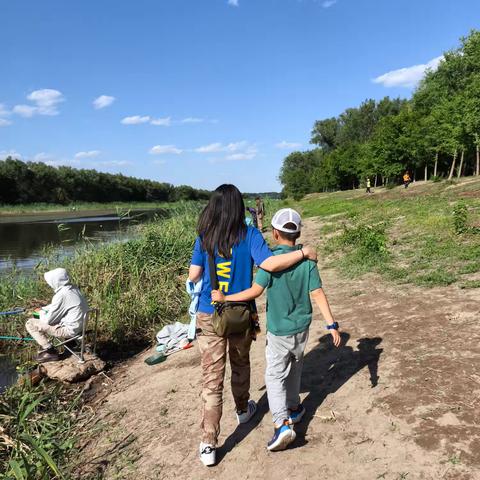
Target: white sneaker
(207, 454)
(244, 417)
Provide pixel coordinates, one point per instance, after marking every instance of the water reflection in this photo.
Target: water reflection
(23, 238)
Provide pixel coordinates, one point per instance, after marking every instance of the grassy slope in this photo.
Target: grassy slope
(408, 236)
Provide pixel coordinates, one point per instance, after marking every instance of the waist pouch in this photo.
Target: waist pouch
(232, 318)
(229, 318)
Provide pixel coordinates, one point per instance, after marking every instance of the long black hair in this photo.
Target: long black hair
(222, 222)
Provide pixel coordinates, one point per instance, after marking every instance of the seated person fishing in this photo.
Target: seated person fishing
(63, 318)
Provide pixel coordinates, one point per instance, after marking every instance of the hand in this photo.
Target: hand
(310, 253)
(336, 338)
(218, 296)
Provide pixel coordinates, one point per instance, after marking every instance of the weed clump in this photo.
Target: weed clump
(35, 437)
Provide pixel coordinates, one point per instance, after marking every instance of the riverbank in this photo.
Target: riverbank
(137, 285)
(14, 210)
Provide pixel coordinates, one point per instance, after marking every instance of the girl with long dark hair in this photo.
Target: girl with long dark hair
(235, 248)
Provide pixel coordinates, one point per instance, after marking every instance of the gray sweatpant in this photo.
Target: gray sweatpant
(283, 373)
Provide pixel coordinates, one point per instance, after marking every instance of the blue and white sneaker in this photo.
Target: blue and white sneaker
(296, 415)
(283, 436)
(245, 416)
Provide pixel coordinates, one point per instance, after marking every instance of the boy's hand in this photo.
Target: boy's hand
(336, 338)
(218, 296)
(310, 253)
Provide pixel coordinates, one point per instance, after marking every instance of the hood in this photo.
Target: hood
(57, 278)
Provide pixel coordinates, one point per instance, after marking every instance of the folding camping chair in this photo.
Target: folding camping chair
(81, 337)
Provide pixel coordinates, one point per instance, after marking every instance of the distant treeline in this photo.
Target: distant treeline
(434, 134)
(33, 182)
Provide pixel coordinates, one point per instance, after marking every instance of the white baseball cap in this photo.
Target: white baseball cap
(286, 216)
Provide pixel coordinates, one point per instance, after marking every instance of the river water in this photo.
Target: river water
(23, 238)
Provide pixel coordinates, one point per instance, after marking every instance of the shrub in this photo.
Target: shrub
(460, 218)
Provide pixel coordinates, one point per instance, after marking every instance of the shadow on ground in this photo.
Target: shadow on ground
(325, 370)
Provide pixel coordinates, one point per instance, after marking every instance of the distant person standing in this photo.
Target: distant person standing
(260, 208)
(406, 179)
(369, 185)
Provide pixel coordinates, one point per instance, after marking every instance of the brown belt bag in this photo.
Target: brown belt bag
(229, 318)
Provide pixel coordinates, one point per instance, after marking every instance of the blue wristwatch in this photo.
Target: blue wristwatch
(333, 326)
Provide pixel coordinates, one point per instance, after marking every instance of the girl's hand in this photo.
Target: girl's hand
(218, 296)
(336, 337)
(310, 253)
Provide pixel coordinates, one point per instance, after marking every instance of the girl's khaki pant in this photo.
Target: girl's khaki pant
(214, 358)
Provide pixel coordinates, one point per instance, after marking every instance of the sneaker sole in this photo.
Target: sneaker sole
(283, 442)
(209, 464)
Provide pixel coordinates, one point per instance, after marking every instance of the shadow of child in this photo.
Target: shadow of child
(327, 368)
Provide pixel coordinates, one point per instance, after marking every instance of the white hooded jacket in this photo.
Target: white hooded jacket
(69, 307)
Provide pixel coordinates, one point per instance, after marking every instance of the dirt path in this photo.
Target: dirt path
(418, 420)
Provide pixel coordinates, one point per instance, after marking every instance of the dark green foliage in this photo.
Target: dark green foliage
(29, 182)
(460, 217)
(368, 239)
(382, 139)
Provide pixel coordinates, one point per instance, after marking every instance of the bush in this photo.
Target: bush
(460, 218)
(368, 239)
(436, 178)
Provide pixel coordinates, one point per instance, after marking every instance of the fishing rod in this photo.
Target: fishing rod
(23, 339)
(15, 311)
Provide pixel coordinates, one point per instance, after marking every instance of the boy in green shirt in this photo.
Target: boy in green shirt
(289, 314)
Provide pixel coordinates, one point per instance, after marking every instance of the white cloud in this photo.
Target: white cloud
(135, 120)
(210, 148)
(42, 157)
(220, 147)
(45, 102)
(233, 3)
(87, 154)
(103, 101)
(192, 120)
(165, 149)
(10, 153)
(288, 145)
(4, 123)
(328, 3)
(26, 111)
(249, 155)
(408, 76)
(163, 122)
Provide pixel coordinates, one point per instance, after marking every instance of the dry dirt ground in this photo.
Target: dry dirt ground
(398, 400)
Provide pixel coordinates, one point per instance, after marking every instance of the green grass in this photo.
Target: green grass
(36, 432)
(427, 236)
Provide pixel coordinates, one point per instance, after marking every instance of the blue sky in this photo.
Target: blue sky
(203, 92)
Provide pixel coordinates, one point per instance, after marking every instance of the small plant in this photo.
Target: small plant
(460, 218)
(454, 459)
(368, 239)
(436, 179)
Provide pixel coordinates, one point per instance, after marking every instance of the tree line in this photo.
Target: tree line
(434, 134)
(29, 182)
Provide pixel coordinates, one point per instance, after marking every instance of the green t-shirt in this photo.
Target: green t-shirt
(289, 309)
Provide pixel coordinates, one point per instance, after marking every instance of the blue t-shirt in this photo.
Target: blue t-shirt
(235, 273)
